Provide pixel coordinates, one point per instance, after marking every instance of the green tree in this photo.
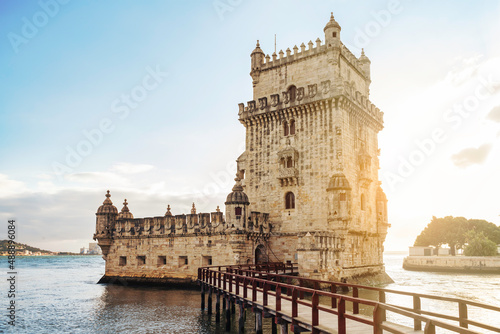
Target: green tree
(448, 230)
(490, 230)
(479, 245)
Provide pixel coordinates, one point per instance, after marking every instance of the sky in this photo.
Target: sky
(141, 98)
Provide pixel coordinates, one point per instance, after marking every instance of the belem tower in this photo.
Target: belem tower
(306, 187)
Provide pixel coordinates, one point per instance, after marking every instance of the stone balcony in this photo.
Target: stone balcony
(288, 176)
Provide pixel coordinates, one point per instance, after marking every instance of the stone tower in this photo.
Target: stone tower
(311, 158)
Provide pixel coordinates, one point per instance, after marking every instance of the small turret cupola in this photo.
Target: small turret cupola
(365, 63)
(339, 198)
(105, 223)
(125, 213)
(257, 56)
(107, 206)
(332, 33)
(237, 206)
(168, 213)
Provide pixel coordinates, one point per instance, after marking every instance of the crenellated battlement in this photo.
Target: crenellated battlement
(324, 90)
(125, 225)
(314, 49)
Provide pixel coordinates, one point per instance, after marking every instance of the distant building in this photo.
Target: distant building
(94, 249)
(428, 251)
(421, 251)
(84, 251)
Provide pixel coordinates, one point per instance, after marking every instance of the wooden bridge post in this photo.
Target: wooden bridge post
(341, 317)
(381, 299)
(378, 313)
(430, 328)
(228, 313)
(209, 301)
(233, 306)
(462, 314)
(241, 321)
(333, 289)
(202, 296)
(217, 307)
(284, 327)
(417, 324)
(274, 329)
(355, 305)
(258, 321)
(315, 313)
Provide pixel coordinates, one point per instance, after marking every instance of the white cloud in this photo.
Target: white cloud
(471, 156)
(9, 187)
(128, 168)
(101, 178)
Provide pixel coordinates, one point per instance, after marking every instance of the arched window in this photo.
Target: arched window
(289, 162)
(363, 202)
(285, 127)
(343, 197)
(289, 201)
(292, 93)
(292, 127)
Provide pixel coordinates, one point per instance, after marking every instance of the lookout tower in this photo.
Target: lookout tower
(311, 158)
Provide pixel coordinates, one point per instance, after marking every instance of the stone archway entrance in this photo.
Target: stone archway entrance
(261, 254)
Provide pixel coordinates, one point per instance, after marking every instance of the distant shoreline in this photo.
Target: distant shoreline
(73, 254)
(461, 264)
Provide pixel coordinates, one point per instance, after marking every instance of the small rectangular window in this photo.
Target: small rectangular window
(237, 211)
(122, 261)
(162, 260)
(141, 260)
(183, 261)
(206, 261)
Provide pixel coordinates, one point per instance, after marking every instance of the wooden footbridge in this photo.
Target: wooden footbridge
(308, 305)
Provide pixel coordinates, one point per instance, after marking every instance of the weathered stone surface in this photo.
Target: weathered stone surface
(307, 187)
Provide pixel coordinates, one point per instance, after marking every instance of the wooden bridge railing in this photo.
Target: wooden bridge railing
(267, 280)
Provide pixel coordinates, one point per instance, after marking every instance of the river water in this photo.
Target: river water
(60, 295)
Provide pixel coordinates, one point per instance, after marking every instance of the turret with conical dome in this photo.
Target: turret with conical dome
(237, 206)
(106, 214)
(257, 56)
(332, 33)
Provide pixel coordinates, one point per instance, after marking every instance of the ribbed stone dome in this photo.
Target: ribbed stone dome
(339, 181)
(237, 196)
(257, 49)
(107, 206)
(332, 23)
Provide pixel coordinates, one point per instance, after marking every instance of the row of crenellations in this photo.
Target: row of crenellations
(277, 61)
(186, 223)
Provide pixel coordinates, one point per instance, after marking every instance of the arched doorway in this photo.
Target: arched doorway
(260, 254)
